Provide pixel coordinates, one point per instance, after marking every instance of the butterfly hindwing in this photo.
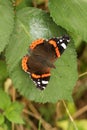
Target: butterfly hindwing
(41, 83)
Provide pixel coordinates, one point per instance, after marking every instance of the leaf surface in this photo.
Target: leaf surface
(70, 14)
(32, 24)
(13, 113)
(4, 100)
(6, 22)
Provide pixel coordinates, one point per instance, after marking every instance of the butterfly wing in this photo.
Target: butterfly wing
(41, 82)
(43, 54)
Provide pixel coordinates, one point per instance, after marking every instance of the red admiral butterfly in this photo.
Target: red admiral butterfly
(42, 54)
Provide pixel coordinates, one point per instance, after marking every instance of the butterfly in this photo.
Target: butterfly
(40, 60)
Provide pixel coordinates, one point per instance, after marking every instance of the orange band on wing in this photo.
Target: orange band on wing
(40, 76)
(35, 43)
(35, 76)
(24, 63)
(45, 75)
(57, 52)
(52, 42)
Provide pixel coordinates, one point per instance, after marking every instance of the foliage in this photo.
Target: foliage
(6, 22)
(30, 24)
(3, 72)
(28, 21)
(81, 125)
(11, 111)
(20, 24)
(71, 16)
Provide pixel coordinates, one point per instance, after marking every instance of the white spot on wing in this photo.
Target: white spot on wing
(60, 40)
(38, 82)
(63, 45)
(44, 87)
(68, 40)
(38, 79)
(44, 82)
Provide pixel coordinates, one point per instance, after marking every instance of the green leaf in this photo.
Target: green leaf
(31, 24)
(4, 127)
(3, 70)
(1, 119)
(4, 100)
(23, 3)
(6, 22)
(13, 113)
(70, 14)
(80, 124)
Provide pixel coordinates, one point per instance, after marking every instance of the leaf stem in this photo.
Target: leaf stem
(74, 124)
(80, 112)
(83, 74)
(39, 127)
